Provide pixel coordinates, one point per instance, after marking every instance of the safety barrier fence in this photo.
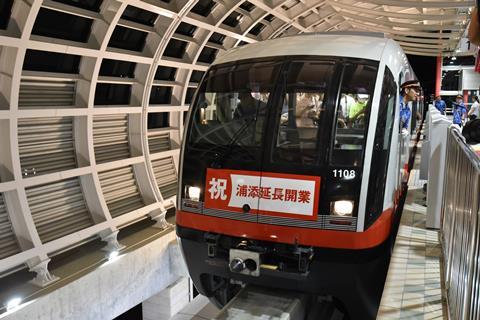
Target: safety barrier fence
(460, 228)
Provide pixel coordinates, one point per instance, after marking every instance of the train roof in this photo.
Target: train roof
(322, 44)
(365, 45)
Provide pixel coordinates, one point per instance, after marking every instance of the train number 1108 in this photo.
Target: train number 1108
(346, 174)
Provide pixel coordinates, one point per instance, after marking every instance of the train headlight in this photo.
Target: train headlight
(342, 208)
(193, 193)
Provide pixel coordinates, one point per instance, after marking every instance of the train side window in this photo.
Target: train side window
(302, 117)
(353, 111)
(381, 150)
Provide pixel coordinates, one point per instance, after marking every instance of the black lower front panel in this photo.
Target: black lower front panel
(354, 277)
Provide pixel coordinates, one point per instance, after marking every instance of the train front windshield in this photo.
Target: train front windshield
(312, 113)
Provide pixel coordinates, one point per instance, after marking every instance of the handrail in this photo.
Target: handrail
(460, 228)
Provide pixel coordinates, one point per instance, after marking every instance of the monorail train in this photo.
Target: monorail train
(292, 166)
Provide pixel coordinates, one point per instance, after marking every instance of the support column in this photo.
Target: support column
(159, 216)
(438, 77)
(44, 277)
(112, 242)
(168, 302)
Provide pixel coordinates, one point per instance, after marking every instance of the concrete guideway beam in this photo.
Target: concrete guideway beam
(113, 288)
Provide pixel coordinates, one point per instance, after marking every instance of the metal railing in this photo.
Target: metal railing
(460, 228)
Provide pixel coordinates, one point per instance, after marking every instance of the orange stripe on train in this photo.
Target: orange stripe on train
(372, 237)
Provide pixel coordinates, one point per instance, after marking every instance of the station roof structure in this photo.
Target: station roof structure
(429, 28)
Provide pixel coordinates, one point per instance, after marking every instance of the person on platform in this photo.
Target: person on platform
(474, 112)
(440, 104)
(459, 111)
(409, 90)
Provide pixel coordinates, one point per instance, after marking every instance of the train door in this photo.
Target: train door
(297, 139)
(317, 138)
(380, 189)
(347, 155)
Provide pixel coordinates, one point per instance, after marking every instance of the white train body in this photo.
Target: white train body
(294, 157)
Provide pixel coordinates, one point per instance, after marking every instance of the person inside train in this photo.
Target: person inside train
(409, 91)
(440, 104)
(474, 112)
(307, 109)
(459, 111)
(357, 109)
(346, 101)
(248, 105)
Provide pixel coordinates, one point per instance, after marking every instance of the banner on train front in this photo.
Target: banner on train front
(268, 193)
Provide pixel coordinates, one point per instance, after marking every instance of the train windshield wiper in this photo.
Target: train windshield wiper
(220, 157)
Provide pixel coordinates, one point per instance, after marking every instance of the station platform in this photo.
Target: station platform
(414, 286)
(434, 274)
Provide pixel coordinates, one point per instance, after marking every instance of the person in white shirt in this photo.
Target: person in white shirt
(474, 112)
